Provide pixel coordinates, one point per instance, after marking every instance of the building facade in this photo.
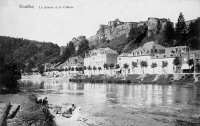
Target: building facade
(73, 63)
(153, 58)
(98, 57)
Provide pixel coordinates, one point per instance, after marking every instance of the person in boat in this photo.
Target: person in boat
(68, 113)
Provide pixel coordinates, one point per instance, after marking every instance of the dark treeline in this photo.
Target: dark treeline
(9, 72)
(182, 34)
(18, 55)
(71, 50)
(27, 53)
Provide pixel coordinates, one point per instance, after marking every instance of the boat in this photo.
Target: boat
(64, 119)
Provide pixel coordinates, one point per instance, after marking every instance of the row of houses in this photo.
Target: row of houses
(150, 58)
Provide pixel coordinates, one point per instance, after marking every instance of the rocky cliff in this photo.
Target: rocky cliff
(118, 35)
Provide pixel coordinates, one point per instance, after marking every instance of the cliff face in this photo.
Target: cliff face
(117, 30)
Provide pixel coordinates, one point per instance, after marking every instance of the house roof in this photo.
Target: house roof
(107, 50)
(149, 45)
(125, 54)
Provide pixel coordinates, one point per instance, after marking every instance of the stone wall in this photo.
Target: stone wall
(117, 28)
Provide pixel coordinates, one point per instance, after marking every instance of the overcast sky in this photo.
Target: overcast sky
(61, 25)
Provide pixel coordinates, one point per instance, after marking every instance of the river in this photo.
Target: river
(125, 104)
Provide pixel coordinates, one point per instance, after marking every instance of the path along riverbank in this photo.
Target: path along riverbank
(24, 111)
(138, 78)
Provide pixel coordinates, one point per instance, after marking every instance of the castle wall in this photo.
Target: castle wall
(117, 28)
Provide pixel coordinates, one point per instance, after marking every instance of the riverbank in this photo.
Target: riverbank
(137, 78)
(30, 113)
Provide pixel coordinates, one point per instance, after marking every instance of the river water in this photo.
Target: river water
(123, 104)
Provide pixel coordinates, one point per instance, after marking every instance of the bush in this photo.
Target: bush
(9, 74)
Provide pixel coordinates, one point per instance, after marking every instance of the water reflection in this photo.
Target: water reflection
(126, 94)
(107, 98)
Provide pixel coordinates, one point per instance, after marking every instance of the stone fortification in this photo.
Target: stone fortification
(117, 28)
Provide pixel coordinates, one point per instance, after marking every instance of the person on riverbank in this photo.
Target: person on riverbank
(73, 107)
(45, 102)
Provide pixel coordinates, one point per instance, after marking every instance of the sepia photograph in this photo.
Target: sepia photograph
(99, 62)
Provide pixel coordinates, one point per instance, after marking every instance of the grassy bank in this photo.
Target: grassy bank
(134, 78)
(30, 114)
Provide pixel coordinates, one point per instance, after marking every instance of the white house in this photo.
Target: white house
(153, 53)
(98, 57)
(73, 64)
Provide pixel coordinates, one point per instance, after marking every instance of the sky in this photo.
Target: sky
(61, 25)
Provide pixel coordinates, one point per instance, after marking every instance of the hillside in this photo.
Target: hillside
(124, 42)
(23, 51)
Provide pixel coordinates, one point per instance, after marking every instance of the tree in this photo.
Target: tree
(125, 67)
(176, 62)
(83, 48)
(29, 66)
(111, 67)
(190, 63)
(164, 64)
(197, 69)
(41, 69)
(143, 64)
(81, 69)
(194, 35)
(105, 66)
(69, 69)
(77, 69)
(153, 65)
(181, 31)
(134, 64)
(69, 51)
(194, 43)
(84, 68)
(71, 48)
(117, 66)
(194, 29)
(168, 34)
(94, 68)
(89, 68)
(158, 28)
(99, 68)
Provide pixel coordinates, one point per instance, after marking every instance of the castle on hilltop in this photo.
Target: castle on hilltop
(117, 28)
